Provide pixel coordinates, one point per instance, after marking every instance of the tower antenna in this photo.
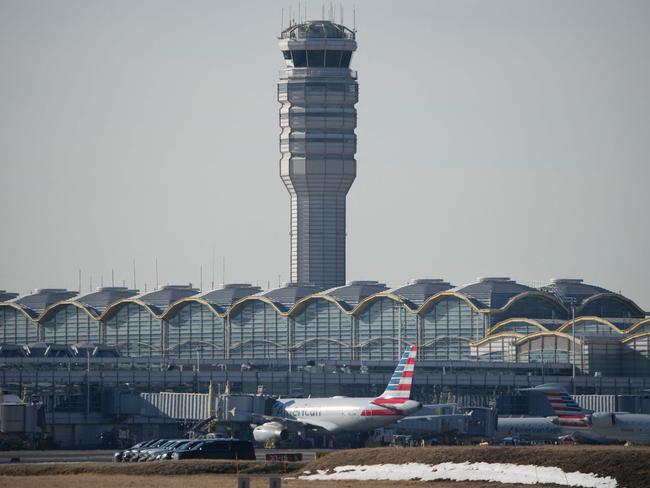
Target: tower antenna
(135, 286)
(282, 21)
(212, 287)
(79, 280)
(354, 19)
(299, 19)
(156, 263)
(112, 277)
(201, 278)
(223, 270)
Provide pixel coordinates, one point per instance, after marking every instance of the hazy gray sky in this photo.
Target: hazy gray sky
(506, 138)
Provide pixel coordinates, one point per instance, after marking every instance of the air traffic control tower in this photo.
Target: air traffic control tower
(318, 92)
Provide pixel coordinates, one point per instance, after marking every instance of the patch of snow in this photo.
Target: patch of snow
(497, 472)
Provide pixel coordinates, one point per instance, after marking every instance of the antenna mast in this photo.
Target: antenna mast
(212, 287)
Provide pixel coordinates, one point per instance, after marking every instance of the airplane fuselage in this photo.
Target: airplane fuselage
(342, 414)
(531, 428)
(626, 427)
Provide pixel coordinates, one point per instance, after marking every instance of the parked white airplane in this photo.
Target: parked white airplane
(571, 420)
(529, 428)
(343, 414)
(611, 426)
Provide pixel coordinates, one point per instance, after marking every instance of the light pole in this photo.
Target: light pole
(572, 302)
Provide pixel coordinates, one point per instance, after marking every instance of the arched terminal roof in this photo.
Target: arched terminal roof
(317, 29)
(493, 292)
(289, 293)
(355, 291)
(568, 289)
(7, 295)
(224, 297)
(164, 296)
(418, 290)
(104, 296)
(42, 298)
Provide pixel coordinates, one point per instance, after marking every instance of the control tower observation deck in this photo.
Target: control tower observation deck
(318, 92)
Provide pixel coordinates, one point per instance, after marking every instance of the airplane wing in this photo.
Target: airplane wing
(294, 424)
(451, 416)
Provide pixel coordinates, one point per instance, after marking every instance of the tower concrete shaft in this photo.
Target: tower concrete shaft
(318, 92)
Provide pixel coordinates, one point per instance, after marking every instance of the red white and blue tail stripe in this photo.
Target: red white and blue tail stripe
(399, 387)
(567, 410)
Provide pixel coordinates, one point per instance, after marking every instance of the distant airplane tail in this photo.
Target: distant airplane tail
(565, 408)
(398, 390)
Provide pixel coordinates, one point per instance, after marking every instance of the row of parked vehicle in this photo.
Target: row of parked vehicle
(175, 449)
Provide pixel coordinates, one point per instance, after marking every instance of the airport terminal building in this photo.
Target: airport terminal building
(80, 353)
(491, 320)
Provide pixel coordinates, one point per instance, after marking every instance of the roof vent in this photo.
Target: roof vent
(493, 279)
(49, 290)
(112, 288)
(362, 283)
(425, 281)
(176, 287)
(237, 285)
(575, 281)
(296, 284)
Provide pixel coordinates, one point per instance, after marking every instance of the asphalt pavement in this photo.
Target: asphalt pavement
(100, 456)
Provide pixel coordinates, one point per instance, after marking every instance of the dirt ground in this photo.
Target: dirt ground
(630, 466)
(215, 481)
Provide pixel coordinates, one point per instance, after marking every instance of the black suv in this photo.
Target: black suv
(217, 449)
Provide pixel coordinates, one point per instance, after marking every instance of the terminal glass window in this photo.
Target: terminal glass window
(15, 328)
(450, 318)
(258, 331)
(380, 330)
(69, 325)
(321, 330)
(194, 331)
(135, 332)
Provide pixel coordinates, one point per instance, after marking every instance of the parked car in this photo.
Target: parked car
(154, 454)
(217, 449)
(167, 453)
(144, 454)
(134, 454)
(120, 456)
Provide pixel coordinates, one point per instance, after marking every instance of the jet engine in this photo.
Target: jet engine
(603, 419)
(270, 431)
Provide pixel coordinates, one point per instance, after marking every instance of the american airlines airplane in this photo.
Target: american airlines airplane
(343, 414)
(572, 421)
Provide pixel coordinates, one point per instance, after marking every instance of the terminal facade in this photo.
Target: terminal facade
(492, 320)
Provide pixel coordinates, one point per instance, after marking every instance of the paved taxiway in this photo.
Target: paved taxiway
(100, 456)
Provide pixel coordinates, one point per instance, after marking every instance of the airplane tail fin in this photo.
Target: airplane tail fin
(566, 410)
(398, 389)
